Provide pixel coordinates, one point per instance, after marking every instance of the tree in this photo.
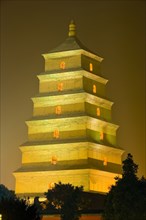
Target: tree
(126, 200)
(5, 193)
(12, 207)
(67, 199)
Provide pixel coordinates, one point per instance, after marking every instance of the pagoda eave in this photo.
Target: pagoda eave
(71, 53)
(70, 74)
(88, 164)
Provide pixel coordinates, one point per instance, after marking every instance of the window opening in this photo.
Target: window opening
(98, 111)
(101, 135)
(60, 86)
(54, 160)
(94, 88)
(105, 161)
(58, 110)
(51, 185)
(91, 67)
(62, 65)
(56, 133)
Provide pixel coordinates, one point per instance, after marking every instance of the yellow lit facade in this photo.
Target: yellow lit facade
(71, 137)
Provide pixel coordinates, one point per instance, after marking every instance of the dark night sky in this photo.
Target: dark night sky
(114, 30)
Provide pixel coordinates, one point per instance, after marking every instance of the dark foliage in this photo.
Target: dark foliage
(6, 193)
(13, 208)
(127, 199)
(67, 199)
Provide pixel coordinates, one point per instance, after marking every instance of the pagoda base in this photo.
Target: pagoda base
(40, 182)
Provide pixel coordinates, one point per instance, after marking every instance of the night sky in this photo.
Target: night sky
(115, 30)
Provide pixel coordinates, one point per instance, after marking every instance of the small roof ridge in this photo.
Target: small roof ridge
(71, 42)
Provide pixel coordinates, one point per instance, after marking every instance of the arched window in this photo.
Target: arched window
(94, 88)
(54, 160)
(62, 65)
(91, 67)
(101, 135)
(51, 185)
(60, 86)
(105, 161)
(98, 111)
(58, 110)
(56, 133)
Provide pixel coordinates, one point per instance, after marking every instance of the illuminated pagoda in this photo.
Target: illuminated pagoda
(71, 137)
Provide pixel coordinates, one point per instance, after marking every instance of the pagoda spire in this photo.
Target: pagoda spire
(72, 29)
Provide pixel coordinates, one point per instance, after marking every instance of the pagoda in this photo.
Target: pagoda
(71, 137)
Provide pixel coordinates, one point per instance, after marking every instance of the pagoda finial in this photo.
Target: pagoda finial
(72, 29)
